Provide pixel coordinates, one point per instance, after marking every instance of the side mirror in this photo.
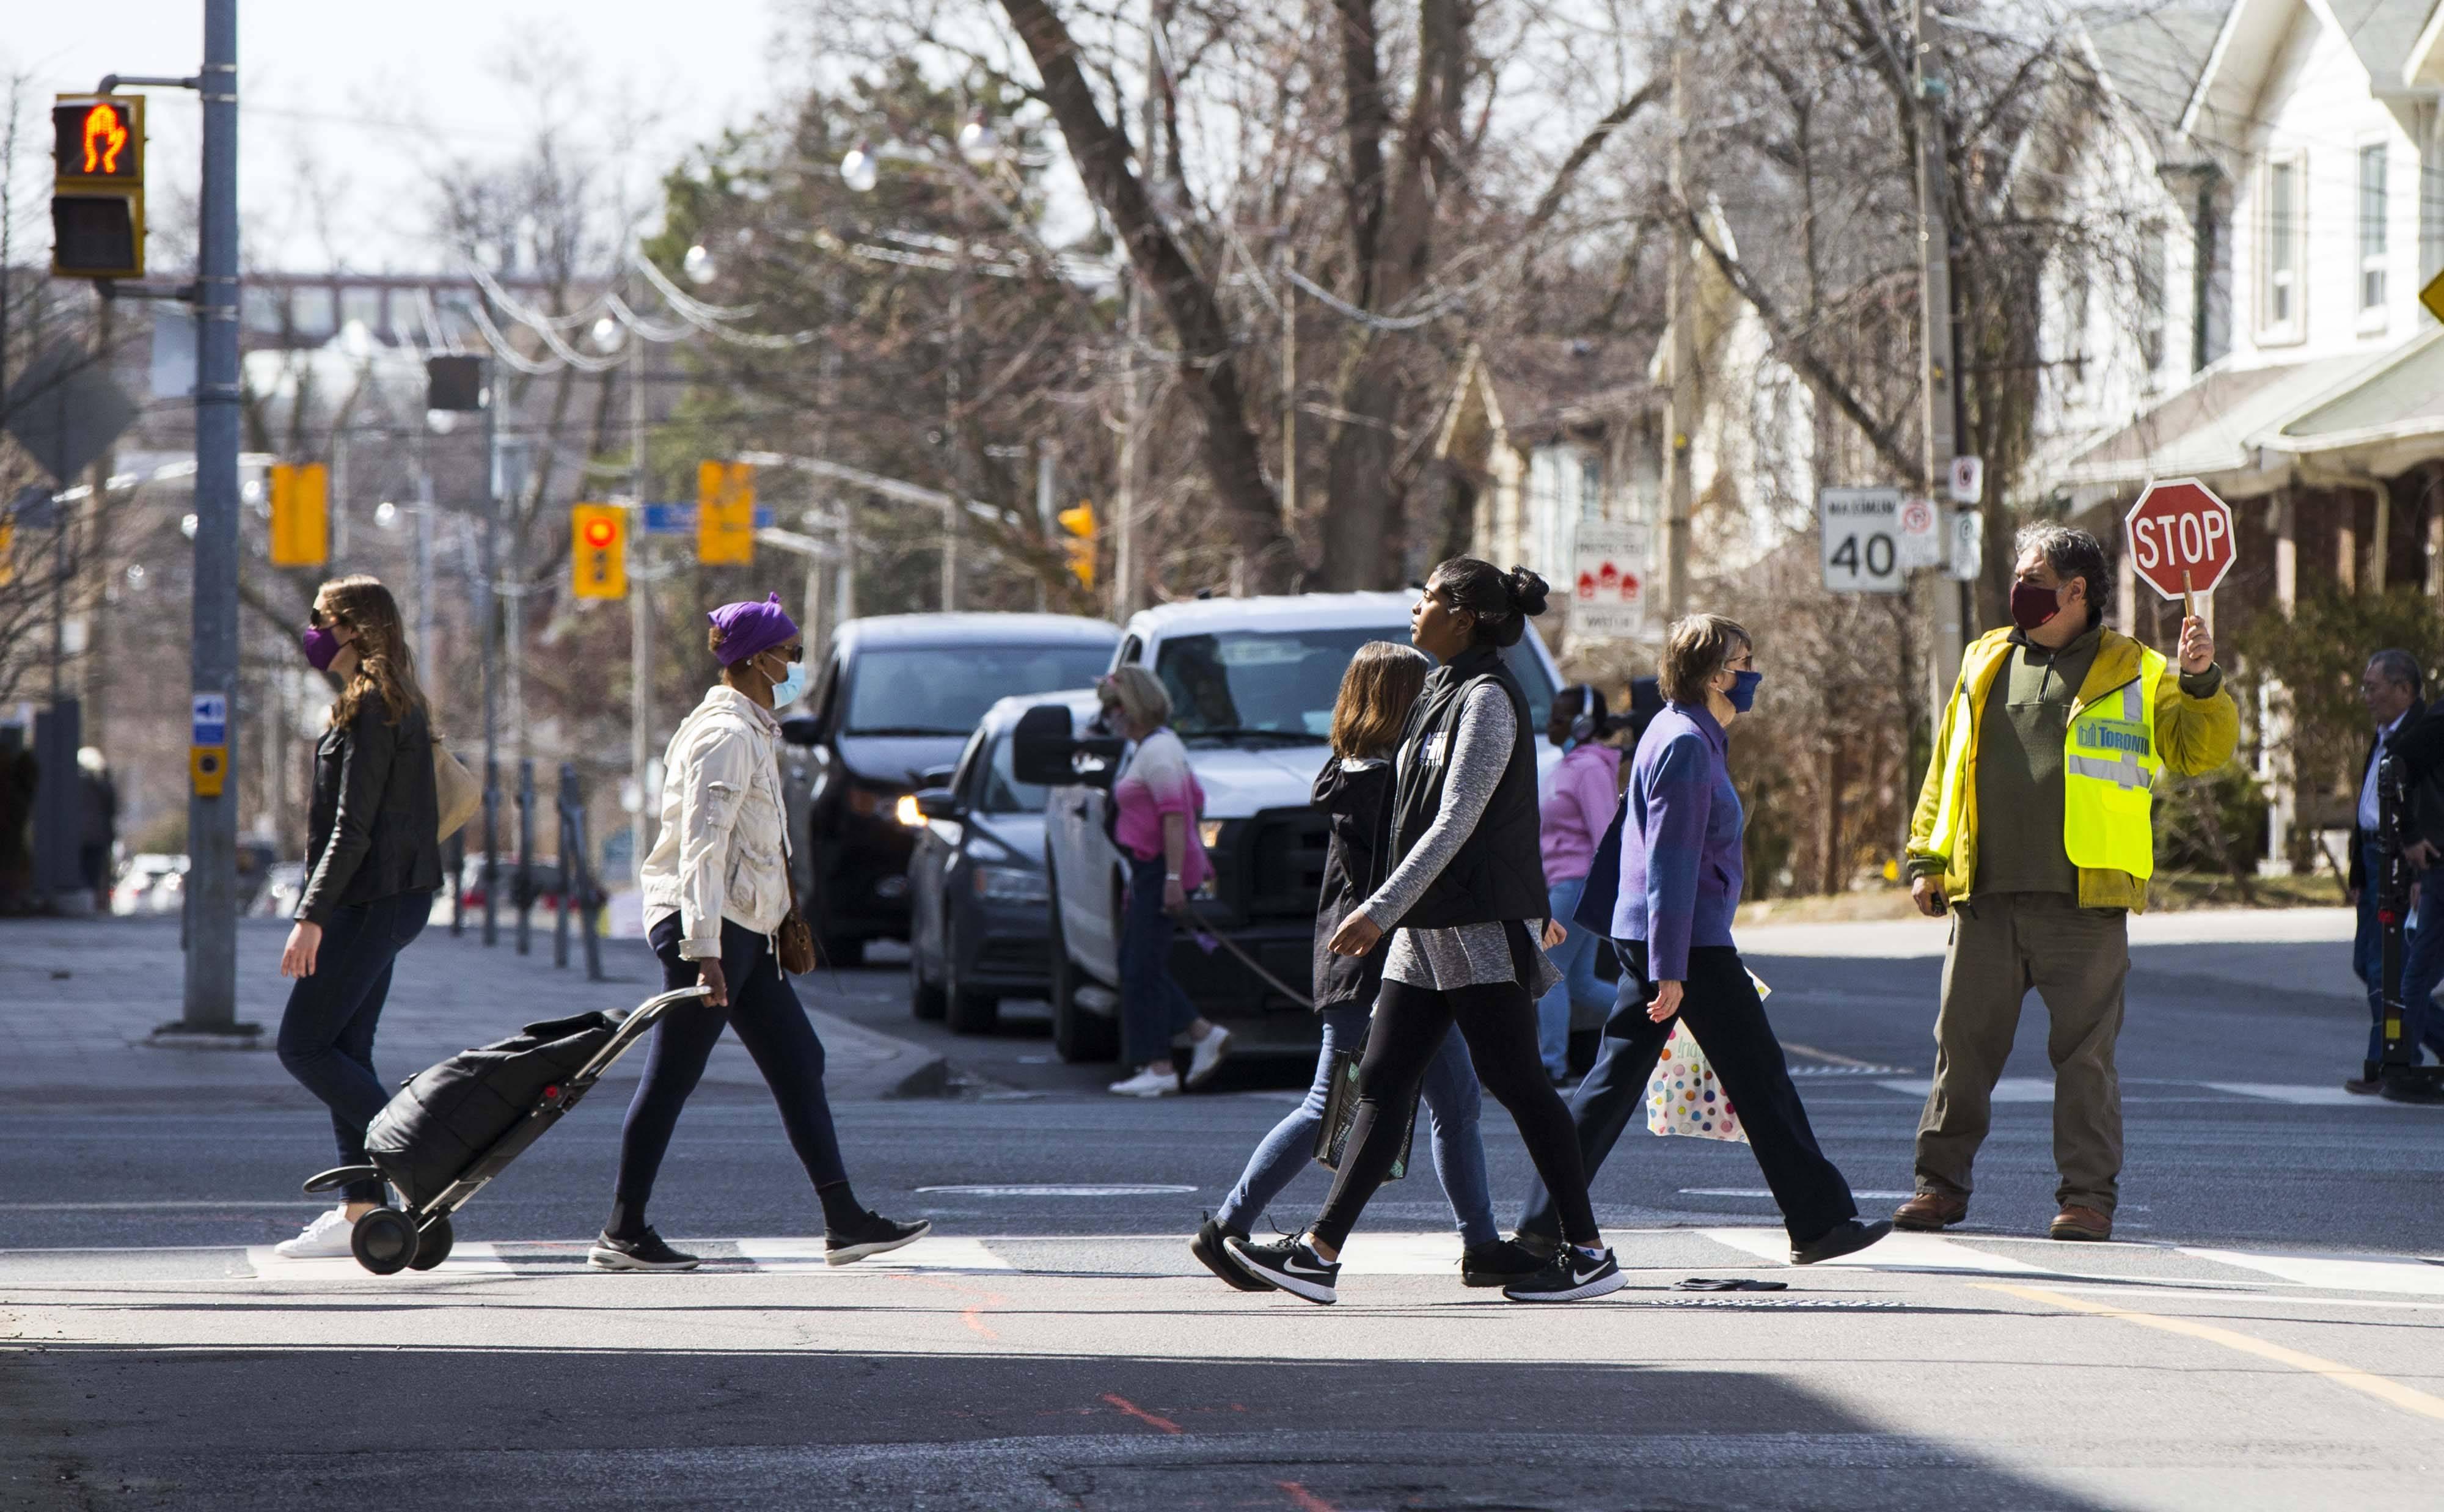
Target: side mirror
(802, 730)
(936, 776)
(1045, 751)
(937, 802)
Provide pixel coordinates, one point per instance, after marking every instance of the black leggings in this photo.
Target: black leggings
(1498, 1020)
(770, 1023)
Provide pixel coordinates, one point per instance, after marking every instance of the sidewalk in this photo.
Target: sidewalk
(2259, 949)
(79, 999)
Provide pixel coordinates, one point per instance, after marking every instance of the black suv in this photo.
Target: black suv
(890, 710)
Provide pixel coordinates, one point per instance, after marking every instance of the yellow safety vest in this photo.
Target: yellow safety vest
(2111, 765)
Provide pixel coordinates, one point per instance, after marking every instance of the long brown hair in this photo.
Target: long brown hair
(384, 665)
(1376, 693)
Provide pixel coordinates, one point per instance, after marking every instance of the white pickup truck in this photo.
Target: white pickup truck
(1252, 683)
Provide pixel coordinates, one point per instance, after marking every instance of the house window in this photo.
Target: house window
(2285, 229)
(1590, 486)
(2152, 249)
(2079, 300)
(2372, 227)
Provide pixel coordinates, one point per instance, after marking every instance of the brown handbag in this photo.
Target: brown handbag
(793, 942)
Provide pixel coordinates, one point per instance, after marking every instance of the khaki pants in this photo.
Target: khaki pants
(2002, 944)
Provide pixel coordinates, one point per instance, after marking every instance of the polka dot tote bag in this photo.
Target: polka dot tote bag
(1683, 1097)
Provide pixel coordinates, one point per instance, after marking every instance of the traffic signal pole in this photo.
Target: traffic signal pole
(1944, 597)
(211, 990)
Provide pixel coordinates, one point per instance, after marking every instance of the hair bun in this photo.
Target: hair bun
(1527, 591)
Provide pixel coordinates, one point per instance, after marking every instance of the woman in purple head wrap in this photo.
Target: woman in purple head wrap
(716, 888)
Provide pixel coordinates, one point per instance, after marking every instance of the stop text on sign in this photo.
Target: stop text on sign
(2181, 538)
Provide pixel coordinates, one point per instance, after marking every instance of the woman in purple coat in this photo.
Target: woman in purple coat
(1668, 905)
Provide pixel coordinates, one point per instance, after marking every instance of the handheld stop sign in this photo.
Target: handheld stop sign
(2181, 539)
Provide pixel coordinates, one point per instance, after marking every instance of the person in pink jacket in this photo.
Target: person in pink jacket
(1576, 805)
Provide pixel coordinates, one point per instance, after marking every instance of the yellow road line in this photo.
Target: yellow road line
(2408, 1398)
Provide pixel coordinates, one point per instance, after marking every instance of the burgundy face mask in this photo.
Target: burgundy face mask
(2032, 606)
(322, 647)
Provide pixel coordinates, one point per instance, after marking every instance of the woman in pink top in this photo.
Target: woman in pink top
(1156, 805)
(1576, 804)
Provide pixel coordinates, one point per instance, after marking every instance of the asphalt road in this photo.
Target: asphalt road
(2262, 1335)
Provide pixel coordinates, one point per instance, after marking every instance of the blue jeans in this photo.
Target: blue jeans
(1579, 986)
(1154, 1008)
(327, 1035)
(2423, 962)
(1451, 1105)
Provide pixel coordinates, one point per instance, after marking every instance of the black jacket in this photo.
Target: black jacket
(1358, 803)
(1499, 873)
(2419, 747)
(371, 831)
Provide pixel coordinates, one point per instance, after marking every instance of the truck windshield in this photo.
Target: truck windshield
(945, 690)
(1281, 684)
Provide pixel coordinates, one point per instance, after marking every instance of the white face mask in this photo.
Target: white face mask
(791, 687)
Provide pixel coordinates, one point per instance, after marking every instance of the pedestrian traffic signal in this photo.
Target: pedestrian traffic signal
(97, 186)
(1080, 523)
(598, 550)
(725, 513)
(301, 514)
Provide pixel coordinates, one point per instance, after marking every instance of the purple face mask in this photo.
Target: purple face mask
(322, 646)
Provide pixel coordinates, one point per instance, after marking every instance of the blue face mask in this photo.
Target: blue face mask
(791, 689)
(1743, 691)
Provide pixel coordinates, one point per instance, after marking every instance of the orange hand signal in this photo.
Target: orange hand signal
(104, 138)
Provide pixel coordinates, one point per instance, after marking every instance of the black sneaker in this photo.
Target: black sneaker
(1540, 1246)
(1498, 1263)
(1570, 1275)
(873, 1235)
(1207, 1248)
(1847, 1237)
(644, 1252)
(1292, 1264)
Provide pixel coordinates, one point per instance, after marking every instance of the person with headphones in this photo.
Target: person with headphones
(1576, 804)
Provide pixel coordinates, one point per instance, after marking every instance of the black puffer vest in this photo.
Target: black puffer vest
(1499, 872)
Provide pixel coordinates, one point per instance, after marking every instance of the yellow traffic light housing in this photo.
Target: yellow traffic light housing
(97, 186)
(598, 550)
(301, 514)
(725, 513)
(1080, 523)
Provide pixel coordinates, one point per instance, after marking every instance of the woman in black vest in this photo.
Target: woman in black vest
(1465, 903)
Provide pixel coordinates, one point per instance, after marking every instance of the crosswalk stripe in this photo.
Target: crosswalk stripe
(468, 1259)
(2409, 1277)
(2009, 1089)
(2321, 1095)
(1898, 1251)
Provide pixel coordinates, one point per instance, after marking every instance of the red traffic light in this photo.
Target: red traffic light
(601, 533)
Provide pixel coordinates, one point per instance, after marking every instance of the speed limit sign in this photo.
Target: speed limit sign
(1863, 540)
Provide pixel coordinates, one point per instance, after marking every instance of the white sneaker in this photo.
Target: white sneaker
(1207, 1054)
(326, 1238)
(1148, 1083)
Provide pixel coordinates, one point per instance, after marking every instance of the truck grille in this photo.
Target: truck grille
(1282, 856)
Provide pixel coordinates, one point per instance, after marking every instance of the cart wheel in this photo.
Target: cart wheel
(432, 1246)
(384, 1241)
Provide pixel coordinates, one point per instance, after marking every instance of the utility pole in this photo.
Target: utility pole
(1681, 311)
(1289, 400)
(1124, 503)
(1046, 508)
(209, 1000)
(641, 613)
(1936, 354)
(486, 609)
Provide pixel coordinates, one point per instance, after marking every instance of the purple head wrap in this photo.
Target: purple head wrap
(749, 628)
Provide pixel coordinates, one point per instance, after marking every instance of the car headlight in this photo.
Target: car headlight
(906, 812)
(1210, 832)
(1010, 884)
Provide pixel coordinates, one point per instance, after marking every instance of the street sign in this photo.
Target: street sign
(210, 720)
(2433, 296)
(1861, 540)
(1967, 557)
(1609, 583)
(680, 519)
(1920, 534)
(1968, 480)
(2181, 538)
(65, 411)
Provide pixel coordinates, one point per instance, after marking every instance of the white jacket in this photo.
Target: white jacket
(724, 847)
